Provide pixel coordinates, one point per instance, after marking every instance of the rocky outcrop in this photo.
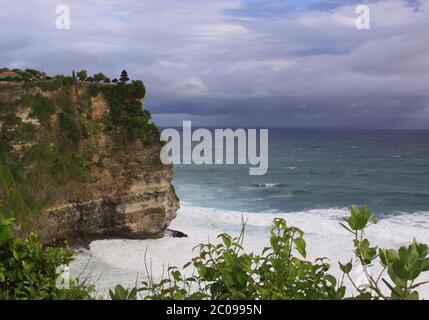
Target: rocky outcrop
(138, 201)
(77, 177)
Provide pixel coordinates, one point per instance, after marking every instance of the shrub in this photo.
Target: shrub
(137, 89)
(401, 268)
(16, 200)
(27, 132)
(70, 125)
(41, 107)
(226, 271)
(28, 271)
(49, 85)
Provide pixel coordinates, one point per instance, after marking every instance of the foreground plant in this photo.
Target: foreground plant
(400, 268)
(226, 271)
(30, 271)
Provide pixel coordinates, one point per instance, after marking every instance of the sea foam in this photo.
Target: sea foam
(126, 261)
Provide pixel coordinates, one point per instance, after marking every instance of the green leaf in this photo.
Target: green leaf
(331, 279)
(133, 294)
(425, 265)
(347, 268)
(176, 275)
(241, 277)
(422, 249)
(399, 268)
(227, 241)
(396, 292)
(413, 296)
(364, 296)
(15, 255)
(403, 254)
(415, 270)
(400, 282)
(359, 218)
(301, 246)
(25, 265)
(382, 253)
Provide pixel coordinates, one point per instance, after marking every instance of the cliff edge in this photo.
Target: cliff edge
(80, 162)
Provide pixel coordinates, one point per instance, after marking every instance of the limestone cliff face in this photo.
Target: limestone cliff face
(129, 199)
(80, 176)
(100, 106)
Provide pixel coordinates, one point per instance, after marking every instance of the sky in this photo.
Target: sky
(240, 63)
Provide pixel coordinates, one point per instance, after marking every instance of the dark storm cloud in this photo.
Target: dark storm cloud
(241, 63)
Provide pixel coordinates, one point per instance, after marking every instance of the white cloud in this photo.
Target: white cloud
(200, 53)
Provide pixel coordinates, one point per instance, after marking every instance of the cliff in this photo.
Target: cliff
(81, 161)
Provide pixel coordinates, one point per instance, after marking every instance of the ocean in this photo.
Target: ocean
(314, 176)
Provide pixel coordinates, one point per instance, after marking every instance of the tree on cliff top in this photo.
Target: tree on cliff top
(82, 75)
(98, 77)
(124, 76)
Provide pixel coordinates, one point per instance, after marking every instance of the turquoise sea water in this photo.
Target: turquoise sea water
(320, 169)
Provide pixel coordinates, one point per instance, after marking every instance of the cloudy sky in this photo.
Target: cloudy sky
(245, 63)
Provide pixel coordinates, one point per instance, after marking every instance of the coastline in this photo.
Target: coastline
(84, 242)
